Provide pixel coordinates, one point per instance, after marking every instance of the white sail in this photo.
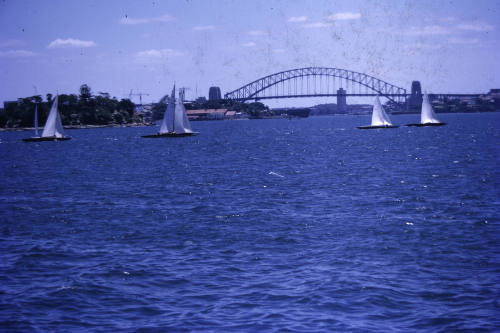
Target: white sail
(181, 123)
(185, 121)
(379, 116)
(167, 125)
(53, 126)
(427, 115)
(386, 117)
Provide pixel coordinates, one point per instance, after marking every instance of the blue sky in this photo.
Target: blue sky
(116, 46)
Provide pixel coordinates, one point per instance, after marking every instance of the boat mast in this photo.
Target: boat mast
(173, 118)
(36, 120)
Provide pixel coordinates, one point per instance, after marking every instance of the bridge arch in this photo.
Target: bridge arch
(296, 83)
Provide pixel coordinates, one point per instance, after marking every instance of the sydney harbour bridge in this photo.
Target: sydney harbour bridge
(323, 82)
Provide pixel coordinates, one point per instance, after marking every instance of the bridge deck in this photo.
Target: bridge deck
(353, 95)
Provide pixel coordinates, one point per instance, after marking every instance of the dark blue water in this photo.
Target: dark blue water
(269, 225)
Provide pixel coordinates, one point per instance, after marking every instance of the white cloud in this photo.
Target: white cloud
(296, 19)
(16, 54)
(448, 19)
(428, 30)
(317, 25)
(163, 18)
(463, 41)
(428, 46)
(478, 27)
(12, 43)
(70, 42)
(446, 30)
(344, 16)
(157, 54)
(256, 33)
(422, 47)
(249, 44)
(203, 28)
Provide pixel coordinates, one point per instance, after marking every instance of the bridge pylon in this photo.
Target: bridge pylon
(341, 100)
(414, 102)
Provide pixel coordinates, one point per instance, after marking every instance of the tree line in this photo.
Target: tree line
(82, 109)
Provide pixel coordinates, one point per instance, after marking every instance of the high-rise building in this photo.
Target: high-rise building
(214, 94)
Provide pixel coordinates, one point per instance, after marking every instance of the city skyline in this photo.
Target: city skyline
(119, 46)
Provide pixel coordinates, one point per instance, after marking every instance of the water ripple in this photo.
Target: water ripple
(302, 226)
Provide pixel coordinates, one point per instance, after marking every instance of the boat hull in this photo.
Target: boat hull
(426, 124)
(169, 135)
(376, 127)
(50, 138)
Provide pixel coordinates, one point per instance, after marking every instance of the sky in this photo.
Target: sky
(119, 46)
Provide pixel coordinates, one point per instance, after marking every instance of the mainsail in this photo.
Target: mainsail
(427, 116)
(167, 125)
(181, 123)
(53, 126)
(379, 116)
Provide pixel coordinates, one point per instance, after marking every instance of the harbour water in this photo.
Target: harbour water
(303, 225)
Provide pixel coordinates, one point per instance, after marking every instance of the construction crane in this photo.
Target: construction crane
(140, 94)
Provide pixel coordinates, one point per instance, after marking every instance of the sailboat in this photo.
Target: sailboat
(380, 119)
(53, 129)
(175, 122)
(427, 116)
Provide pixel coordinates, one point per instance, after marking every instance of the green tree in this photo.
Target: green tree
(74, 109)
(3, 117)
(127, 106)
(158, 110)
(256, 109)
(85, 92)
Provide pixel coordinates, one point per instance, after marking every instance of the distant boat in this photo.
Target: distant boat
(380, 119)
(427, 116)
(53, 129)
(175, 121)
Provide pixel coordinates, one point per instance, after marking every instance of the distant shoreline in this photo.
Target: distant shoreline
(274, 117)
(80, 127)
